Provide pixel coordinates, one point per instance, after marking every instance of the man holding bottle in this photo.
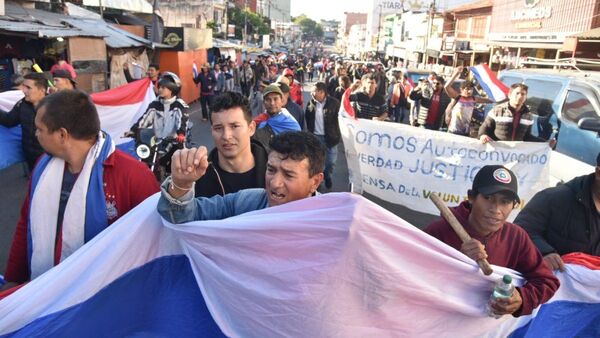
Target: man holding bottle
(493, 196)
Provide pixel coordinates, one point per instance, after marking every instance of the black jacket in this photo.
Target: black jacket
(425, 99)
(23, 113)
(330, 116)
(499, 124)
(558, 219)
(212, 184)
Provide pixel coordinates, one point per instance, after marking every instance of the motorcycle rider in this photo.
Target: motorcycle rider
(167, 116)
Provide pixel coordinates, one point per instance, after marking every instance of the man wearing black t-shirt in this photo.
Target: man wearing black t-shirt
(367, 103)
(236, 162)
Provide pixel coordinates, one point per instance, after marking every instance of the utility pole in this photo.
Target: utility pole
(430, 18)
(378, 29)
(244, 41)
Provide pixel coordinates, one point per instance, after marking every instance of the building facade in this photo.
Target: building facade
(276, 10)
(522, 29)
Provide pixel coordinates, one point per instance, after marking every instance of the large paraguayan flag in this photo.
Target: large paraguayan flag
(118, 109)
(494, 88)
(332, 265)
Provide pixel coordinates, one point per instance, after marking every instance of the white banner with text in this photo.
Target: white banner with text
(403, 165)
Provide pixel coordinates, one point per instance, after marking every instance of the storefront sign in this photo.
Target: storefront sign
(173, 36)
(529, 37)
(528, 25)
(531, 14)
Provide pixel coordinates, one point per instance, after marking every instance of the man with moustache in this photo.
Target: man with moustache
(294, 171)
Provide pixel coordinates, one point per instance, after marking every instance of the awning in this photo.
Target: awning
(113, 36)
(37, 23)
(43, 24)
(592, 34)
(220, 43)
(511, 44)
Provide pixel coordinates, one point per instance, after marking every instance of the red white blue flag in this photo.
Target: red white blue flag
(118, 109)
(494, 88)
(332, 265)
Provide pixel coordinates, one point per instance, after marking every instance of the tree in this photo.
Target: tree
(256, 24)
(310, 28)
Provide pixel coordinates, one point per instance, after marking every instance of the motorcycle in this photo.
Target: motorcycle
(155, 152)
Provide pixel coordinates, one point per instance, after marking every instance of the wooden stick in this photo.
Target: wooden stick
(458, 228)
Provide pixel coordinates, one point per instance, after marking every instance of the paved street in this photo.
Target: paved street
(14, 183)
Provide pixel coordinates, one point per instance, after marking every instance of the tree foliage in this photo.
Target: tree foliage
(310, 28)
(256, 24)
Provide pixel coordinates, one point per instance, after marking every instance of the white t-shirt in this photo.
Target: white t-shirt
(320, 118)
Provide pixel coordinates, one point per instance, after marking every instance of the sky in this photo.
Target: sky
(327, 9)
(334, 9)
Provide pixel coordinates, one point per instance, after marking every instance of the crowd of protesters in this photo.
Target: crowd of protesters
(273, 147)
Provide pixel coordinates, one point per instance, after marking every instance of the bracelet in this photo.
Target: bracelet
(173, 185)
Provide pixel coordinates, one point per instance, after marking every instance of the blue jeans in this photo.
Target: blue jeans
(399, 113)
(330, 158)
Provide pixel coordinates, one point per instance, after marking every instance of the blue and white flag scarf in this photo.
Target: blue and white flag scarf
(281, 122)
(85, 212)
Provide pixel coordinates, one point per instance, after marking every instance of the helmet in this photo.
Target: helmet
(287, 72)
(170, 80)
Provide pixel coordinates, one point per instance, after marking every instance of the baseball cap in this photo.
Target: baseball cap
(272, 88)
(283, 86)
(492, 179)
(64, 74)
(283, 79)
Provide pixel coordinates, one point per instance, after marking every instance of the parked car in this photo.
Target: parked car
(565, 105)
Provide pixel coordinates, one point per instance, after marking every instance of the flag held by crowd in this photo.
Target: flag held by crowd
(118, 109)
(333, 265)
(493, 87)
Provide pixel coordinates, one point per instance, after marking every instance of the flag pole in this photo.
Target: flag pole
(458, 228)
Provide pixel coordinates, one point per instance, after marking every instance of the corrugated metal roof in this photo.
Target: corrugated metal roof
(51, 25)
(114, 37)
(588, 35)
(39, 30)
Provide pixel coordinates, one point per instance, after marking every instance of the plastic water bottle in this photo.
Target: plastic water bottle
(504, 289)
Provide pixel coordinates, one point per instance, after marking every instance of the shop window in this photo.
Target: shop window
(577, 106)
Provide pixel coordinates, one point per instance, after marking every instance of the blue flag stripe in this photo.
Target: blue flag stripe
(158, 299)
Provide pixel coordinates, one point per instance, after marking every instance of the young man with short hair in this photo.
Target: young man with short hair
(367, 103)
(81, 186)
(493, 196)
(510, 121)
(294, 171)
(236, 162)
(322, 121)
(23, 113)
(432, 102)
